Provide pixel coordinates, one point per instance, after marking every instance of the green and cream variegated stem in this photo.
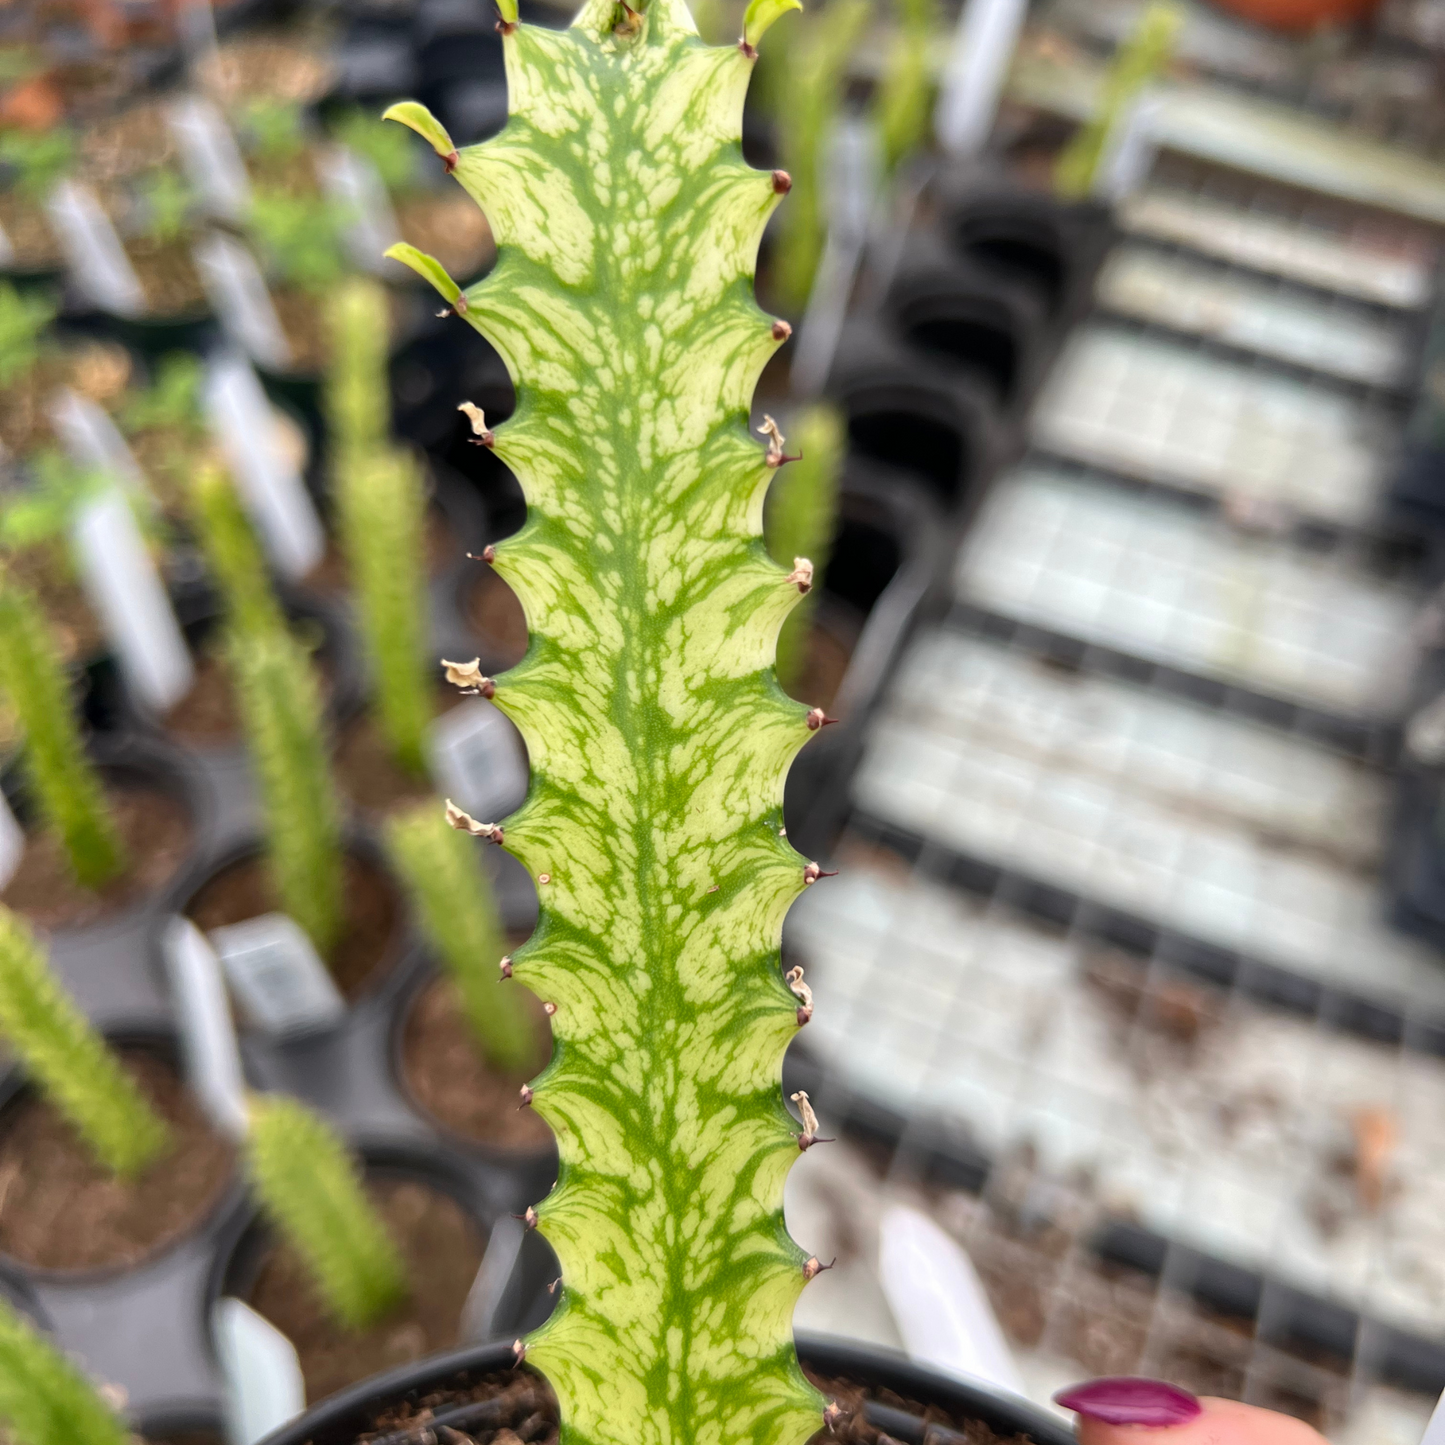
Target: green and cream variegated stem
(622, 303)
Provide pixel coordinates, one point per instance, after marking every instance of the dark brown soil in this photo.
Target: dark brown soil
(824, 664)
(444, 1071)
(442, 1248)
(24, 222)
(156, 836)
(368, 774)
(450, 226)
(495, 615)
(135, 141)
(208, 714)
(525, 1409)
(60, 1209)
(373, 916)
(169, 278)
(302, 321)
(265, 67)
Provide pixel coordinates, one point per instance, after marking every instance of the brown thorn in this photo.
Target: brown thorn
(506, 967)
(780, 459)
(528, 1217)
(806, 1141)
(782, 183)
(552, 1288)
(833, 1415)
(804, 1014)
(526, 1096)
(781, 331)
(489, 554)
(751, 51)
(815, 1267)
(549, 1009)
(506, 27)
(519, 1352)
(461, 305)
(817, 718)
(812, 872)
(449, 161)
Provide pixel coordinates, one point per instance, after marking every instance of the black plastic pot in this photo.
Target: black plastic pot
(339, 1420)
(1026, 238)
(887, 560)
(1416, 858)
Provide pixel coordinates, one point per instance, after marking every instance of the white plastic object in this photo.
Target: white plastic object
(939, 1303)
(210, 155)
(478, 758)
(237, 291)
(268, 480)
(277, 975)
(93, 251)
(354, 182)
(264, 1384)
(1129, 150)
(1435, 1425)
(484, 1299)
(974, 74)
(126, 592)
(12, 842)
(208, 1035)
(91, 438)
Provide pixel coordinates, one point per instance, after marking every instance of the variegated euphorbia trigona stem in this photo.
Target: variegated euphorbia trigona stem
(622, 303)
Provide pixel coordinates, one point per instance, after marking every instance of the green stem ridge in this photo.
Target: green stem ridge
(312, 1190)
(627, 225)
(70, 1062)
(68, 789)
(44, 1399)
(234, 556)
(454, 902)
(281, 706)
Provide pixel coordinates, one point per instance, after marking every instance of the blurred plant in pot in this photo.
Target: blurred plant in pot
(904, 102)
(627, 229)
(311, 1189)
(67, 789)
(23, 320)
(802, 516)
(166, 427)
(233, 556)
(381, 505)
(273, 131)
(69, 1062)
(33, 163)
(44, 1399)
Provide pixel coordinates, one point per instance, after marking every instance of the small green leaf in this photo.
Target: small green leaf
(427, 267)
(762, 13)
(412, 113)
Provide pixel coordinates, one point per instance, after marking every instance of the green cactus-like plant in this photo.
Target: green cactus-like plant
(311, 1189)
(1141, 57)
(301, 236)
(68, 789)
(904, 104)
(381, 504)
(453, 900)
(44, 1399)
(168, 202)
(807, 116)
(69, 1061)
(622, 303)
(285, 727)
(234, 555)
(802, 516)
(39, 158)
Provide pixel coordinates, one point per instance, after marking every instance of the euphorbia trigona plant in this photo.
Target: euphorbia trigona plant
(627, 225)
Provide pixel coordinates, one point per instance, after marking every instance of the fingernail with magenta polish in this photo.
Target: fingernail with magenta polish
(1129, 1400)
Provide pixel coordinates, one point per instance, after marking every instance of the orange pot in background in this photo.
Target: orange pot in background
(1300, 16)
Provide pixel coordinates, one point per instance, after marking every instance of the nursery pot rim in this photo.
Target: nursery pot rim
(1003, 1413)
(231, 1199)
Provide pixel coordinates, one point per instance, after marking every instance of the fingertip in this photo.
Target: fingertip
(1130, 1400)
(1132, 1411)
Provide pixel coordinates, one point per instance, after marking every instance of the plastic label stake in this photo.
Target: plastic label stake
(355, 184)
(12, 842)
(93, 439)
(974, 74)
(275, 495)
(278, 976)
(211, 157)
(121, 581)
(1129, 151)
(264, 1384)
(481, 1314)
(238, 292)
(93, 252)
(208, 1035)
(479, 758)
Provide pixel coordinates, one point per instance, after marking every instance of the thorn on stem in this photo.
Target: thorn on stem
(465, 823)
(449, 161)
(810, 1135)
(489, 554)
(460, 304)
(482, 435)
(817, 718)
(751, 51)
(544, 878)
(782, 183)
(506, 27)
(506, 967)
(519, 1352)
(801, 992)
(774, 435)
(781, 331)
(812, 872)
(801, 576)
(833, 1416)
(528, 1217)
(549, 1009)
(552, 1288)
(815, 1267)
(526, 1096)
(469, 677)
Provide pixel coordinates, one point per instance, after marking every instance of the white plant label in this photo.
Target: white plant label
(277, 975)
(208, 1036)
(974, 74)
(1129, 150)
(12, 842)
(211, 156)
(93, 439)
(270, 484)
(264, 1384)
(93, 251)
(479, 758)
(124, 588)
(484, 1299)
(353, 182)
(237, 291)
